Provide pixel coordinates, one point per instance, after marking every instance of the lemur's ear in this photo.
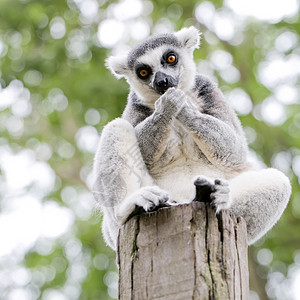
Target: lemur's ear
(189, 37)
(117, 65)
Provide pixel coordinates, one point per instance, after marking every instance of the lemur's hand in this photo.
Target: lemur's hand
(171, 102)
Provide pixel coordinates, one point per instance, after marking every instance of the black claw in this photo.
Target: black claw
(218, 181)
(152, 207)
(164, 199)
(164, 204)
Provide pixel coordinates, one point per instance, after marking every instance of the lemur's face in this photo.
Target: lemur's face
(157, 70)
(159, 63)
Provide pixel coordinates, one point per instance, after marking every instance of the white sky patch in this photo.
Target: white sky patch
(240, 101)
(231, 74)
(205, 12)
(22, 170)
(13, 92)
(64, 149)
(205, 67)
(89, 8)
(33, 78)
(21, 108)
(87, 139)
(81, 202)
(85, 205)
(163, 25)
(128, 9)
(76, 44)
(264, 256)
(224, 25)
(221, 59)
(278, 70)
(15, 126)
(101, 261)
(282, 161)
(56, 220)
(286, 41)
(110, 32)
(29, 219)
(92, 116)
(220, 21)
(266, 10)
(287, 94)
(273, 112)
(51, 294)
(281, 287)
(58, 100)
(210, 37)
(296, 285)
(19, 293)
(296, 165)
(57, 28)
(14, 38)
(21, 276)
(139, 30)
(111, 281)
(3, 49)
(16, 227)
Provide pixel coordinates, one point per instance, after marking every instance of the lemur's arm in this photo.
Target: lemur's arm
(215, 127)
(152, 128)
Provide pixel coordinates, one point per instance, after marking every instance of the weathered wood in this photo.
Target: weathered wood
(183, 252)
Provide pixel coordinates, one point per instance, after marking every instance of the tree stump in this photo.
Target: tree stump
(183, 252)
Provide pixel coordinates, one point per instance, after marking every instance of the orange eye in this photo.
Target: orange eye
(171, 58)
(144, 73)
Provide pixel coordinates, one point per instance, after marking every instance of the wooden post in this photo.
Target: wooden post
(181, 253)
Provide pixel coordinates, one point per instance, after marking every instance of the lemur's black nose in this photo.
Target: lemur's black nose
(162, 82)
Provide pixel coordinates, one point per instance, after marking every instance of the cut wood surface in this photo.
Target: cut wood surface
(183, 252)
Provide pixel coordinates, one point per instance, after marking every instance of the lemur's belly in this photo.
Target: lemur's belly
(178, 180)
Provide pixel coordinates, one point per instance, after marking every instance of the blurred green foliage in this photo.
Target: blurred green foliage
(69, 64)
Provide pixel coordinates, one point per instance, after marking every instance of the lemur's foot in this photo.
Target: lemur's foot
(216, 192)
(220, 196)
(203, 189)
(151, 197)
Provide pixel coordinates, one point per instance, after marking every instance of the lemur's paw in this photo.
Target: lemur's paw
(202, 182)
(171, 102)
(204, 188)
(151, 197)
(220, 196)
(216, 192)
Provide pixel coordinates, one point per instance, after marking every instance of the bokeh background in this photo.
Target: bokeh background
(56, 96)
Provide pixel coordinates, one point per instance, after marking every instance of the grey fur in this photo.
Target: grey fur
(150, 44)
(165, 143)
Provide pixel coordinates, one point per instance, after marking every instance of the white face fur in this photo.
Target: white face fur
(174, 61)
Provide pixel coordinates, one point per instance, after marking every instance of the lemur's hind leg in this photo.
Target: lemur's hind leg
(216, 192)
(123, 182)
(260, 197)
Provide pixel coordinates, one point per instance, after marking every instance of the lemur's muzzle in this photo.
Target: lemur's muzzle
(163, 81)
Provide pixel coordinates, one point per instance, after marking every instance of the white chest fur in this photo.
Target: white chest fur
(181, 162)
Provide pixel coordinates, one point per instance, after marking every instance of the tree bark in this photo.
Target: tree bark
(183, 252)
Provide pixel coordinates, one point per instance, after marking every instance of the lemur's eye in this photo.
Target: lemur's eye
(171, 58)
(143, 72)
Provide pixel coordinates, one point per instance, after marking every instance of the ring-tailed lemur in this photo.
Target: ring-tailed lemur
(178, 132)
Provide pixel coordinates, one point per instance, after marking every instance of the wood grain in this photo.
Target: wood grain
(183, 252)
